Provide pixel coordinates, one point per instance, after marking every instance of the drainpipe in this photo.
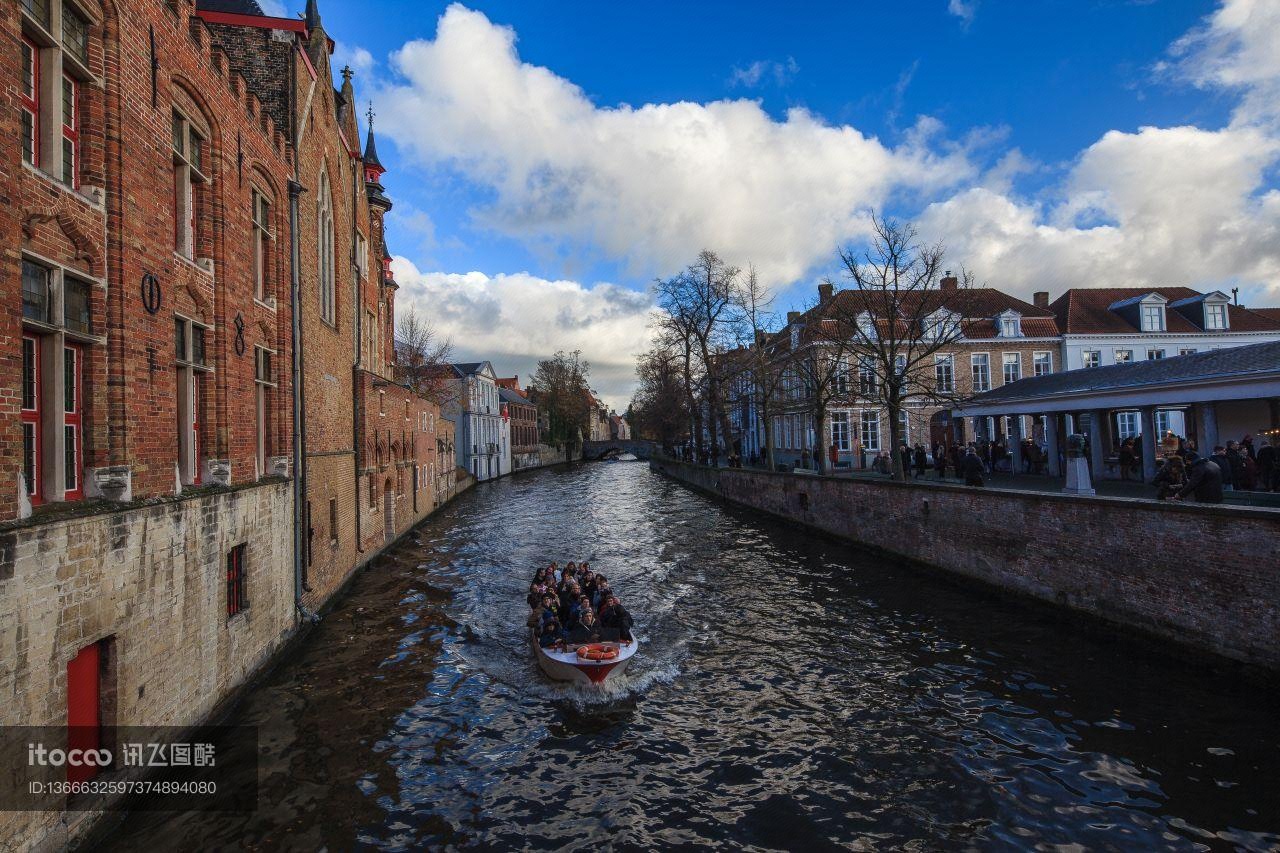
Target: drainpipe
(357, 327)
(299, 418)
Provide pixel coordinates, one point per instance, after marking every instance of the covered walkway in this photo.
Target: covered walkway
(1219, 395)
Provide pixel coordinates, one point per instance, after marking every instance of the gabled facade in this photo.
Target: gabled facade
(992, 339)
(477, 415)
(522, 417)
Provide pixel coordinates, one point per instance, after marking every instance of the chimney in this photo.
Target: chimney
(1041, 299)
(949, 282)
(825, 289)
(792, 316)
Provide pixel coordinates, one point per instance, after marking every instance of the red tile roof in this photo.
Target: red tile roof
(1087, 311)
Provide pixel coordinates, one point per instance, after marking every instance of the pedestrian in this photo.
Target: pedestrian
(971, 469)
(904, 456)
(834, 455)
(1171, 477)
(1267, 466)
(940, 460)
(1126, 458)
(1219, 458)
(1204, 482)
(921, 458)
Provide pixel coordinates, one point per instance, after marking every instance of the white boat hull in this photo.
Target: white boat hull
(567, 666)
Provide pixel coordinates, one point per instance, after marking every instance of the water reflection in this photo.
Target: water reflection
(791, 693)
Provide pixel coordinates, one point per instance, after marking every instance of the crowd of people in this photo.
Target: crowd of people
(575, 605)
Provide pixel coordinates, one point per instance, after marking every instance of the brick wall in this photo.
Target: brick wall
(1111, 557)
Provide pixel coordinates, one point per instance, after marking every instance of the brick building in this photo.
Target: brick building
(522, 416)
(179, 177)
(995, 339)
(368, 442)
(144, 471)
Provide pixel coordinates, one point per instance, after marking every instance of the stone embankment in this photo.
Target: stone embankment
(1207, 577)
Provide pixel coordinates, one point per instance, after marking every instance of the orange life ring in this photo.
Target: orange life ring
(597, 652)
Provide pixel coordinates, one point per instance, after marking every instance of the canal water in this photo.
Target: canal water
(790, 693)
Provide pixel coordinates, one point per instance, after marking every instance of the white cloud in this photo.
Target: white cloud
(358, 58)
(765, 71)
(1237, 47)
(650, 185)
(964, 10)
(516, 319)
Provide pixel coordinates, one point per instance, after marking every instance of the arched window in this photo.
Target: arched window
(324, 244)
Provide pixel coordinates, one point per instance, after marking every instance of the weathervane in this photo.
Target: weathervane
(370, 115)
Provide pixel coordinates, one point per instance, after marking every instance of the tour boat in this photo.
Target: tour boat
(576, 664)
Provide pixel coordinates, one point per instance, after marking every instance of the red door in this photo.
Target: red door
(82, 709)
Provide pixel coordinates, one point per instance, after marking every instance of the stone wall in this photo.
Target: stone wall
(1203, 576)
(150, 581)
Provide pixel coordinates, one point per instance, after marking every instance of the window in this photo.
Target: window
(333, 519)
(29, 103)
(866, 376)
(362, 256)
(900, 365)
(324, 224)
(1164, 422)
(943, 373)
(31, 428)
(1215, 317)
(70, 131)
(54, 52)
(904, 427)
(1126, 425)
(1153, 318)
(261, 246)
(35, 292)
(1042, 363)
(1187, 351)
(866, 326)
(870, 422)
(264, 381)
(981, 366)
(1153, 354)
(75, 306)
(188, 182)
(1091, 358)
(72, 423)
(189, 355)
(1010, 326)
(237, 599)
(1012, 367)
(1123, 356)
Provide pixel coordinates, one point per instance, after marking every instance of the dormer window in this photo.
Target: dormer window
(866, 326)
(1010, 323)
(1153, 318)
(943, 325)
(1215, 317)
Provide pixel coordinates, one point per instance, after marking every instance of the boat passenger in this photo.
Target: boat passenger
(551, 634)
(602, 593)
(616, 618)
(535, 595)
(570, 570)
(586, 631)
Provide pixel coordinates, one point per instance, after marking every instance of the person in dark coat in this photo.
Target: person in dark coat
(614, 618)
(586, 631)
(1219, 458)
(1171, 477)
(940, 461)
(904, 454)
(1239, 471)
(921, 458)
(971, 469)
(1204, 482)
(551, 634)
(1126, 458)
(1267, 467)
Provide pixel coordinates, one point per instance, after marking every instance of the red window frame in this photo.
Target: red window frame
(35, 492)
(71, 131)
(30, 102)
(236, 599)
(73, 419)
(197, 417)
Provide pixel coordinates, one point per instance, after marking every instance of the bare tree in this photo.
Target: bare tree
(699, 305)
(901, 313)
(766, 362)
(423, 357)
(658, 411)
(559, 386)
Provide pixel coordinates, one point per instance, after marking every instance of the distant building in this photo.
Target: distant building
(522, 416)
(476, 411)
(619, 429)
(1120, 325)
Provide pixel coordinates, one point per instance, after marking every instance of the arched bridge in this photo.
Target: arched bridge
(607, 449)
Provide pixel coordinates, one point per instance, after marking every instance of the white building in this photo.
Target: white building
(475, 410)
(1105, 326)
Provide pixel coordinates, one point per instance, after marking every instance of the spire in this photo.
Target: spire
(313, 16)
(371, 161)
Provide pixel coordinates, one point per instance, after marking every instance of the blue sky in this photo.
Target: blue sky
(549, 159)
